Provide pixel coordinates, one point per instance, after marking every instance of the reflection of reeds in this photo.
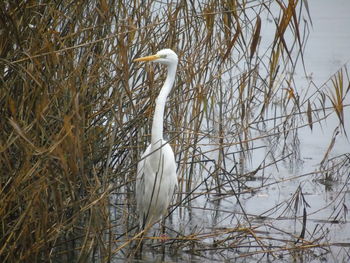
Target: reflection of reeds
(338, 96)
(76, 113)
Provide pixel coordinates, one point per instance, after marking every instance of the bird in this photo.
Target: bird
(156, 177)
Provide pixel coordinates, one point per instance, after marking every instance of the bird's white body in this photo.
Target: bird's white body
(156, 172)
(155, 182)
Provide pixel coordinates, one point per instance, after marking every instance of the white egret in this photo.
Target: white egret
(156, 172)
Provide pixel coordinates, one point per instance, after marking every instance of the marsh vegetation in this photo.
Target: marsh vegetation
(76, 115)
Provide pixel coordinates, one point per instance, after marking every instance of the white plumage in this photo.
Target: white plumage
(156, 172)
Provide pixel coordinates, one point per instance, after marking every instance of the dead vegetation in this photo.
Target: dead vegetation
(76, 114)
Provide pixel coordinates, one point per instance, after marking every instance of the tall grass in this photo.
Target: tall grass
(76, 112)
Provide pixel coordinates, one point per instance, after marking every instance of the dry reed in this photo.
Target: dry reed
(76, 114)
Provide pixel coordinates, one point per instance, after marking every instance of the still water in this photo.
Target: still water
(289, 196)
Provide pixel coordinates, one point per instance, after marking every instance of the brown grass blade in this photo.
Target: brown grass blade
(256, 37)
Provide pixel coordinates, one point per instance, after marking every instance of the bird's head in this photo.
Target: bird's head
(164, 56)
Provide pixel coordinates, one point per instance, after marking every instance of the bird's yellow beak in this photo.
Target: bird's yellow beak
(148, 58)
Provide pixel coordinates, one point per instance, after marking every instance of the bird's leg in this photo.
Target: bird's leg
(163, 236)
(163, 226)
(139, 242)
(138, 247)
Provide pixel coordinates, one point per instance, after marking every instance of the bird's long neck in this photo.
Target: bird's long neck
(157, 125)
